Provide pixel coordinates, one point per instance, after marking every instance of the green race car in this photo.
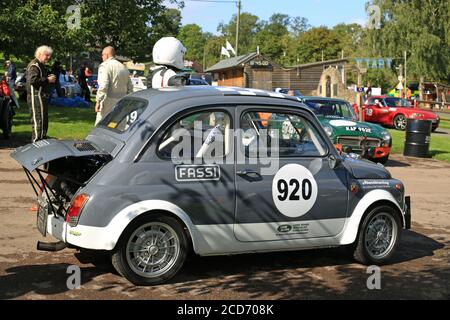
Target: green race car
(339, 120)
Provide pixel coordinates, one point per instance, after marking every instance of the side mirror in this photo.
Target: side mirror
(334, 161)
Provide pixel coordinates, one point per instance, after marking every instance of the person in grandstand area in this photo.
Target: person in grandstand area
(168, 56)
(38, 88)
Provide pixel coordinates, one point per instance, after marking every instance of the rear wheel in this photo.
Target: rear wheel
(378, 236)
(400, 122)
(151, 250)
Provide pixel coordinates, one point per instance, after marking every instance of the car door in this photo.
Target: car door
(192, 165)
(285, 187)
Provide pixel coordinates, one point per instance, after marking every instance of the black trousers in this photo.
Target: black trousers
(38, 104)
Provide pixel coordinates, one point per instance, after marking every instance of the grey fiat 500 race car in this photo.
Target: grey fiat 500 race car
(213, 170)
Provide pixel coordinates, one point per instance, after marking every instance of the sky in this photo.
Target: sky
(208, 15)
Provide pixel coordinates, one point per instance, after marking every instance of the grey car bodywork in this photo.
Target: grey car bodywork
(125, 178)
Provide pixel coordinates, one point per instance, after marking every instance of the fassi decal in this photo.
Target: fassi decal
(197, 173)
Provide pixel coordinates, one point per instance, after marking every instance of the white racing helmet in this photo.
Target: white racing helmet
(169, 51)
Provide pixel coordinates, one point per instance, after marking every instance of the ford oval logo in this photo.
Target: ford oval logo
(284, 228)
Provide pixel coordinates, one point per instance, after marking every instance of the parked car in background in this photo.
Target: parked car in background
(139, 83)
(196, 82)
(347, 133)
(295, 92)
(20, 86)
(69, 86)
(393, 112)
(92, 83)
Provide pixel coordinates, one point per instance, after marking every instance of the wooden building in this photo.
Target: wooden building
(256, 71)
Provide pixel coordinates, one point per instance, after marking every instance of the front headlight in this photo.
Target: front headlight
(328, 130)
(386, 137)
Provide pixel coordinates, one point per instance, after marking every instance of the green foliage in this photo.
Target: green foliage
(312, 43)
(194, 40)
(419, 27)
(132, 27)
(249, 26)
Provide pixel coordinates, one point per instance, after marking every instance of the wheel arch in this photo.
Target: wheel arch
(370, 201)
(107, 237)
(163, 212)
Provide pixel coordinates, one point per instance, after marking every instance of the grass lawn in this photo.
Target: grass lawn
(64, 122)
(439, 148)
(445, 123)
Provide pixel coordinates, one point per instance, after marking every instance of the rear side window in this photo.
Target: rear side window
(124, 114)
(200, 135)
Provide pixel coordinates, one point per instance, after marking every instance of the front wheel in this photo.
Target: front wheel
(151, 250)
(400, 122)
(378, 236)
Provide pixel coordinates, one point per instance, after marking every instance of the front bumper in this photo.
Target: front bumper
(407, 213)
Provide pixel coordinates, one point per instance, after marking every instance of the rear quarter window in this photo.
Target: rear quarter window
(124, 114)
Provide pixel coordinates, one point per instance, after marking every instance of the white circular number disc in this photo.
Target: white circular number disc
(294, 190)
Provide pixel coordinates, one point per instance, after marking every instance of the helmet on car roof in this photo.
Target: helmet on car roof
(169, 51)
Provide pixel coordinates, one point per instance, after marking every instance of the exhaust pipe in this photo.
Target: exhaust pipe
(51, 246)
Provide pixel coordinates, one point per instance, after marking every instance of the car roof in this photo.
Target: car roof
(161, 96)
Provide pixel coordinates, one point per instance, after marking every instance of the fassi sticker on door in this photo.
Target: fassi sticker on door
(294, 190)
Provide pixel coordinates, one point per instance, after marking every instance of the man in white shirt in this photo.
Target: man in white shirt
(113, 83)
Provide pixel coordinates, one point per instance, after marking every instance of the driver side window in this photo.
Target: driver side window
(283, 134)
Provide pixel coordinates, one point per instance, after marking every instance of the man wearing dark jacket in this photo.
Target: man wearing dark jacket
(38, 88)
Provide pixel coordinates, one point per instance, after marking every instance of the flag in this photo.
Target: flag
(230, 48)
(225, 52)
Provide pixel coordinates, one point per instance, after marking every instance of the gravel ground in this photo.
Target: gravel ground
(420, 269)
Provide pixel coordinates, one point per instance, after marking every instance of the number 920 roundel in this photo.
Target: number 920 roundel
(294, 190)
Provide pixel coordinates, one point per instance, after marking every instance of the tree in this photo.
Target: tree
(269, 39)
(132, 27)
(212, 49)
(315, 42)
(194, 40)
(419, 27)
(249, 25)
(172, 23)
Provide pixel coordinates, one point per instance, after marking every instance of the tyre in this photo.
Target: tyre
(400, 122)
(378, 237)
(151, 250)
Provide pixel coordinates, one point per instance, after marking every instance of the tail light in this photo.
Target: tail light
(75, 208)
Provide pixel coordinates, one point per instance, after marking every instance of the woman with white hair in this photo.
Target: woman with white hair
(38, 89)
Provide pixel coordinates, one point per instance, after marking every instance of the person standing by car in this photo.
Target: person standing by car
(6, 111)
(11, 76)
(113, 83)
(81, 77)
(57, 70)
(168, 56)
(38, 88)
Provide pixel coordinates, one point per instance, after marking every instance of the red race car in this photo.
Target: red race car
(393, 112)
